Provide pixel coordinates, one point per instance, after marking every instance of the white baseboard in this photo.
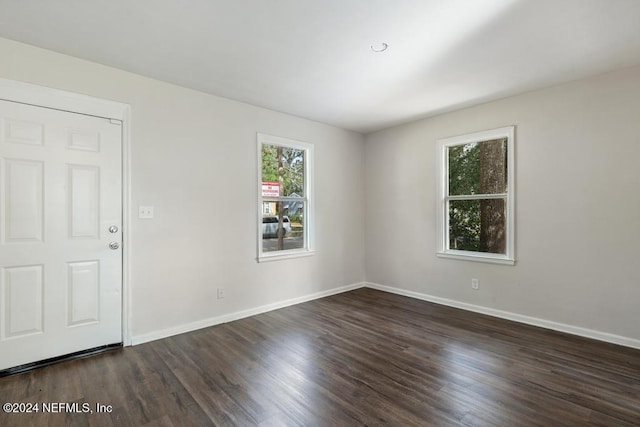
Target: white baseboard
(205, 323)
(534, 321)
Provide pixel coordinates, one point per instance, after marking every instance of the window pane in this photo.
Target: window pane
(478, 225)
(283, 166)
(286, 217)
(478, 168)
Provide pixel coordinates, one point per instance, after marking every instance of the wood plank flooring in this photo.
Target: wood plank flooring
(360, 358)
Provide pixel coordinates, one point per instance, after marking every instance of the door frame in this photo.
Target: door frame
(41, 96)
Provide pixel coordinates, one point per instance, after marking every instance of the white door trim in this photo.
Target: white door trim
(41, 96)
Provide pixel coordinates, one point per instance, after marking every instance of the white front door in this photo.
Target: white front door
(60, 233)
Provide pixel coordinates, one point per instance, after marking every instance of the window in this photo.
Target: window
(284, 198)
(476, 203)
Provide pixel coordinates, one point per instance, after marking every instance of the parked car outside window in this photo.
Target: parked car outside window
(270, 226)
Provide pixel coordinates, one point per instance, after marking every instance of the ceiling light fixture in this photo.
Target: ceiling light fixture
(379, 47)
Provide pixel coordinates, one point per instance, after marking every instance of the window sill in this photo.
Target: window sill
(477, 257)
(285, 255)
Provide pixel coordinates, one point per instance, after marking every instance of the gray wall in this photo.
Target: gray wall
(194, 159)
(577, 207)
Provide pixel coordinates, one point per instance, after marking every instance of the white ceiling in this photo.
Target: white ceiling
(312, 58)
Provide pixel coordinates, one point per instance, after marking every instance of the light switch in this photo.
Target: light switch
(145, 212)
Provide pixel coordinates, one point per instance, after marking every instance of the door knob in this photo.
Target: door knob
(114, 245)
(113, 229)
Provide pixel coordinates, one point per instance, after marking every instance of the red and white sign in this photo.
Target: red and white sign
(270, 189)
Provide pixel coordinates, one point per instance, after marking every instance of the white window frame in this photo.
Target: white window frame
(443, 249)
(307, 198)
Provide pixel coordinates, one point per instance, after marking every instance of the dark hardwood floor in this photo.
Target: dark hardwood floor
(360, 358)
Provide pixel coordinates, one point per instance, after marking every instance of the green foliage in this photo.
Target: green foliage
(269, 163)
(295, 218)
(464, 179)
(464, 169)
(292, 168)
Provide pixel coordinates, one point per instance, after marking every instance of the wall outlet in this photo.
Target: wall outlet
(220, 293)
(475, 284)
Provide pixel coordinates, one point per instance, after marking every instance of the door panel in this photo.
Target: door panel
(60, 191)
(84, 195)
(24, 205)
(84, 292)
(23, 291)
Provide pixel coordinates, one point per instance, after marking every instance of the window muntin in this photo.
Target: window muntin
(284, 196)
(476, 197)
